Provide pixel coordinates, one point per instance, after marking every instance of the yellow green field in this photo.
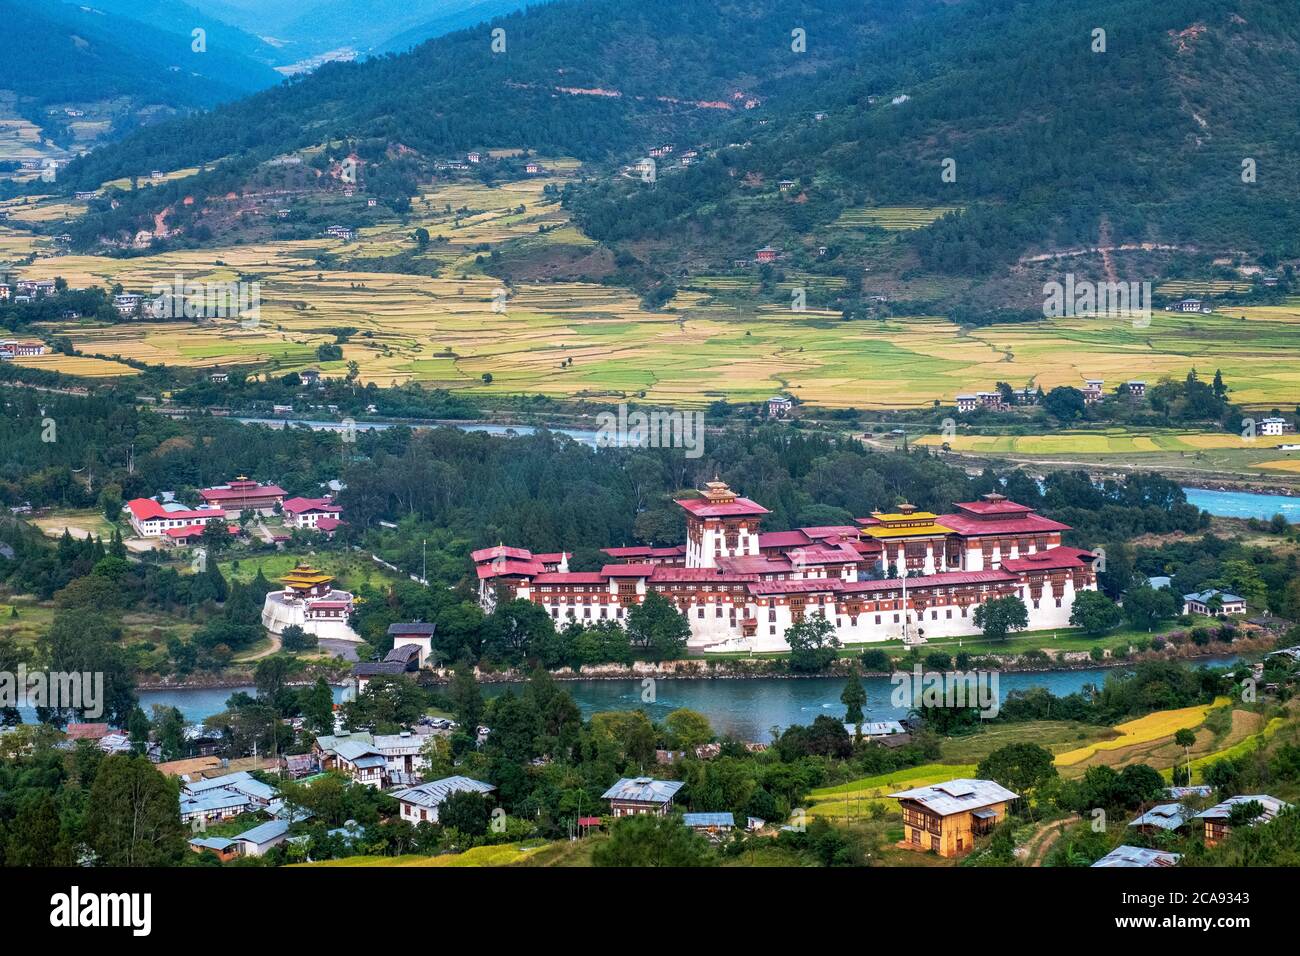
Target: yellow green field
(893, 217)
(506, 854)
(1154, 726)
(856, 797)
(1098, 441)
(568, 339)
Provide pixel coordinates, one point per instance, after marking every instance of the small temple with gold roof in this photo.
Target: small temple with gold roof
(310, 600)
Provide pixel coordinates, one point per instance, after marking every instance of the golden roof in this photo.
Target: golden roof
(304, 575)
(904, 531)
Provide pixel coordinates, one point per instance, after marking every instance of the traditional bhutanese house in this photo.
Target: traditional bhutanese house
(152, 519)
(1165, 817)
(259, 839)
(241, 495)
(966, 403)
(995, 528)
(720, 524)
(766, 254)
(88, 731)
(877, 728)
(1216, 818)
(421, 804)
(307, 512)
(191, 534)
(298, 766)
(1200, 603)
(912, 541)
(417, 633)
(713, 824)
(947, 817)
(501, 569)
(1138, 856)
(225, 850)
(633, 796)
(354, 754)
(673, 555)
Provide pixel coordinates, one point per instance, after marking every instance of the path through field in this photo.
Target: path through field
(1044, 838)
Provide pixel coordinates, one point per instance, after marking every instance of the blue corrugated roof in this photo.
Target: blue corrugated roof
(708, 819)
(266, 832)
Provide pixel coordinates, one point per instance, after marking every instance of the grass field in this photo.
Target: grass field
(855, 798)
(506, 854)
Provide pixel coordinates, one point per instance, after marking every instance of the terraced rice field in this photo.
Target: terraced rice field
(575, 339)
(855, 798)
(894, 218)
(83, 365)
(1155, 726)
(1205, 287)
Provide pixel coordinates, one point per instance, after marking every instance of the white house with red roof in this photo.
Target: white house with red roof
(242, 494)
(308, 512)
(741, 588)
(157, 519)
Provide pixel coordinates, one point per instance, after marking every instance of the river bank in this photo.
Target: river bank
(762, 668)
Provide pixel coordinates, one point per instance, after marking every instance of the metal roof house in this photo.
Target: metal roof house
(1199, 603)
(420, 804)
(258, 840)
(637, 795)
(1216, 818)
(1138, 856)
(710, 822)
(946, 817)
(1166, 816)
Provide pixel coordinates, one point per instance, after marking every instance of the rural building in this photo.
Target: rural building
(153, 519)
(219, 378)
(710, 824)
(420, 804)
(1092, 390)
(778, 406)
(947, 817)
(1138, 856)
(354, 755)
(128, 303)
(1216, 818)
(257, 841)
(1166, 817)
(225, 850)
(474, 157)
(1275, 426)
(1136, 388)
(766, 254)
(307, 512)
(1203, 602)
(532, 168)
(966, 403)
(242, 495)
(633, 796)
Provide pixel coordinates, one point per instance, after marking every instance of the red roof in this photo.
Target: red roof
(501, 551)
(628, 570)
(820, 554)
(241, 489)
(507, 566)
(704, 508)
(146, 509)
(943, 579)
(667, 574)
(550, 557)
(634, 551)
(993, 505)
(1029, 523)
(782, 539)
(832, 531)
(328, 524)
(759, 564)
(296, 506)
(570, 577)
(1051, 559)
(87, 731)
(192, 529)
(588, 821)
(331, 605)
(804, 586)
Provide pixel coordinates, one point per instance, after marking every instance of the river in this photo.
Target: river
(746, 708)
(1244, 504)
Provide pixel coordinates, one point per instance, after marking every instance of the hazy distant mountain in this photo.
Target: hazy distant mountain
(226, 44)
(306, 28)
(56, 53)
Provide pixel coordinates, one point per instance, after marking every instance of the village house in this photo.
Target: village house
(1203, 602)
(778, 406)
(1163, 818)
(11, 349)
(352, 754)
(1136, 388)
(1216, 818)
(417, 633)
(1138, 856)
(712, 825)
(340, 232)
(532, 168)
(947, 817)
(259, 839)
(1092, 390)
(420, 804)
(219, 378)
(307, 512)
(1275, 426)
(766, 254)
(127, 303)
(243, 494)
(222, 848)
(1191, 305)
(474, 156)
(221, 798)
(966, 403)
(633, 796)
